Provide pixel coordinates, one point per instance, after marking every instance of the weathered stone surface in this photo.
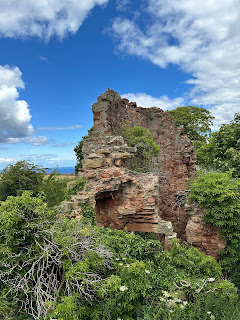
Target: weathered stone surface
(142, 202)
(201, 234)
(92, 163)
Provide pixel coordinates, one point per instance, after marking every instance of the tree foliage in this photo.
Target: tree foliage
(223, 150)
(21, 176)
(195, 121)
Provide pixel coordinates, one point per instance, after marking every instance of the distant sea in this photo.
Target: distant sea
(62, 170)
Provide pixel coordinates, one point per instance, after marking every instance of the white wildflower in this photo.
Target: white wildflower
(121, 264)
(211, 279)
(166, 294)
(123, 258)
(117, 259)
(123, 288)
(184, 303)
(208, 312)
(171, 303)
(177, 300)
(147, 271)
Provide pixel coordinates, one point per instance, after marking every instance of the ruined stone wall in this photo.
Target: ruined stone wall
(176, 161)
(152, 202)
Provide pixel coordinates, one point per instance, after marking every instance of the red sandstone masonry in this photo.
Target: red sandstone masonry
(147, 202)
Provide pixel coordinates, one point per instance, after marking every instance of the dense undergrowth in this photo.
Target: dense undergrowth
(64, 269)
(58, 268)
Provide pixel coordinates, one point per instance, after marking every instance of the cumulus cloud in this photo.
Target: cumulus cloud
(73, 127)
(15, 115)
(43, 18)
(202, 39)
(147, 101)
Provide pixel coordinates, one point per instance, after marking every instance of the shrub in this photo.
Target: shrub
(219, 194)
(146, 147)
(54, 188)
(77, 186)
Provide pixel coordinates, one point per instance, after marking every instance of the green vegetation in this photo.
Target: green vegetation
(78, 151)
(19, 177)
(223, 150)
(77, 186)
(146, 147)
(219, 194)
(54, 188)
(63, 269)
(22, 176)
(195, 121)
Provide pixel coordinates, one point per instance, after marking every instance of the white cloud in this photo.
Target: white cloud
(147, 101)
(73, 127)
(14, 113)
(33, 140)
(202, 38)
(43, 18)
(6, 160)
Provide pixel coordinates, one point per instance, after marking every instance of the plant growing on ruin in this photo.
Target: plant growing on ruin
(142, 139)
(78, 151)
(219, 194)
(77, 186)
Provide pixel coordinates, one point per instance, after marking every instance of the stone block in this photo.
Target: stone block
(93, 163)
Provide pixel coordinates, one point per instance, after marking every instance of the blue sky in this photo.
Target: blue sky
(57, 57)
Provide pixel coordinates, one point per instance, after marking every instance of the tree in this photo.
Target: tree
(195, 121)
(22, 175)
(78, 151)
(223, 150)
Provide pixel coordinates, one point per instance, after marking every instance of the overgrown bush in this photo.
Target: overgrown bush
(77, 186)
(54, 188)
(65, 269)
(219, 194)
(18, 177)
(223, 150)
(140, 138)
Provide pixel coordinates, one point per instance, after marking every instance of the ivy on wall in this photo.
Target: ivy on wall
(219, 193)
